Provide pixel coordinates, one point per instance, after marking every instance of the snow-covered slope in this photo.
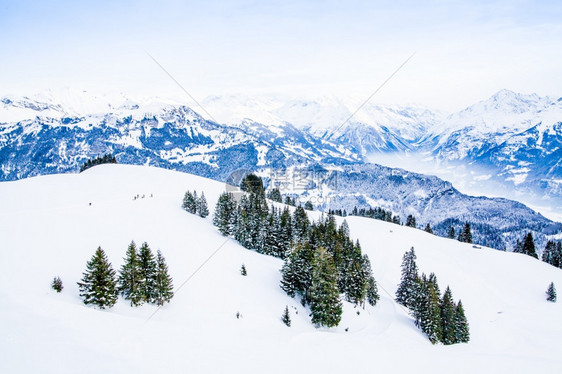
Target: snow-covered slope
(49, 228)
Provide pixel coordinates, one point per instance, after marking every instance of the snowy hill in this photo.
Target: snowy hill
(50, 228)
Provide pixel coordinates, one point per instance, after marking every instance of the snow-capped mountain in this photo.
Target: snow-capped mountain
(53, 224)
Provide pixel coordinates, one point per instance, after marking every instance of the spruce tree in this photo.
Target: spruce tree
(466, 234)
(243, 270)
(163, 286)
(297, 272)
(372, 289)
(406, 292)
(462, 334)
(448, 318)
(286, 317)
(130, 280)
(325, 305)
(550, 254)
(308, 205)
(430, 322)
(98, 285)
(202, 208)
(57, 284)
(428, 229)
(411, 221)
(147, 273)
(529, 246)
(225, 214)
(451, 233)
(190, 202)
(551, 293)
(275, 195)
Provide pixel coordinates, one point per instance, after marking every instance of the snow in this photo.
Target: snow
(50, 229)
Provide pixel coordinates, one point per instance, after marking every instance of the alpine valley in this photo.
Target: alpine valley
(316, 150)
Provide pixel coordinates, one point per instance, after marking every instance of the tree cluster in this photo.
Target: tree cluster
(527, 246)
(376, 213)
(440, 318)
(552, 253)
(105, 159)
(195, 204)
(321, 260)
(143, 278)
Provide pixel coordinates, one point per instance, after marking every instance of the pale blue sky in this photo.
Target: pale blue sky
(466, 50)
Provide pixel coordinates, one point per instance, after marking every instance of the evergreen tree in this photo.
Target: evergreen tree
(462, 334)
(372, 289)
(529, 246)
(190, 202)
(57, 284)
(297, 272)
(551, 254)
(243, 270)
(428, 229)
(451, 233)
(325, 306)
(98, 285)
(411, 221)
(225, 214)
(202, 208)
(466, 234)
(130, 280)
(286, 317)
(308, 205)
(430, 321)
(163, 286)
(275, 195)
(518, 247)
(251, 183)
(551, 293)
(301, 225)
(409, 285)
(448, 317)
(147, 273)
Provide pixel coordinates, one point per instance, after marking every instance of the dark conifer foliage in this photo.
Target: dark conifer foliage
(98, 284)
(308, 205)
(551, 293)
(411, 221)
(286, 317)
(202, 208)
(147, 266)
(448, 317)
(130, 282)
(529, 246)
(466, 234)
(325, 303)
(252, 184)
(451, 233)
(462, 334)
(376, 213)
(552, 254)
(189, 202)
(57, 284)
(406, 294)
(163, 286)
(105, 159)
(428, 229)
(243, 270)
(225, 217)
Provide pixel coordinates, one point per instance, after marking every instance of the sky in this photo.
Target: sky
(464, 51)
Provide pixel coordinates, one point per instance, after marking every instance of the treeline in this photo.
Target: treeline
(105, 159)
(376, 213)
(143, 278)
(195, 204)
(552, 253)
(321, 260)
(440, 318)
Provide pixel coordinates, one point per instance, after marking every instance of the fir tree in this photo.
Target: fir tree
(251, 183)
(430, 319)
(411, 221)
(409, 285)
(147, 273)
(308, 205)
(297, 272)
(451, 233)
(325, 306)
(428, 229)
(301, 225)
(466, 234)
(163, 287)
(462, 334)
(529, 246)
(551, 293)
(98, 285)
(57, 284)
(551, 254)
(275, 195)
(202, 208)
(243, 270)
(225, 214)
(448, 317)
(286, 317)
(130, 281)
(190, 202)
(372, 289)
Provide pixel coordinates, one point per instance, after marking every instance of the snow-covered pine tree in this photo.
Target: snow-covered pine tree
(466, 234)
(529, 246)
(430, 322)
(275, 195)
(301, 225)
(202, 208)
(163, 283)
(243, 270)
(285, 233)
(148, 273)
(428, 229)
(325, 305)
(372, 289)
(357, 281)
(409, 285)
(190, 202)
(551, 292)
(448, 318)
(462, 334)
(308, 205)
(550, 254)
(225, 214)
(130, 280)
(286, 317)
(98, 284)
(297, 272)
(57, 284)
